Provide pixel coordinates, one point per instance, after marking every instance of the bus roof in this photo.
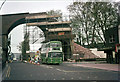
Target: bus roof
(50, 41)
(55, 41)
(56, 51)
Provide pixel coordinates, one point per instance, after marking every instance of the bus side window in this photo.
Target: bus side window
(49, 45)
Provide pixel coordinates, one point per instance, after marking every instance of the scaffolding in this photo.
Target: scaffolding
(54, 27)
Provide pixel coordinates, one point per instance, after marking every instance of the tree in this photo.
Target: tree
(24, 46)
(19, 47)
(55, 12)
(91, 19)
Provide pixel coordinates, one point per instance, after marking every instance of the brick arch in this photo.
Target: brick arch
(10, 21)
(16, 23)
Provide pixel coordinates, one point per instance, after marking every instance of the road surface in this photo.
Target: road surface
(25, 71)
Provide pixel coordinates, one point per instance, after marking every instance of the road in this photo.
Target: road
(66, 71)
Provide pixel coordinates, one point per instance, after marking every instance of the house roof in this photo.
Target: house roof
(84, 53)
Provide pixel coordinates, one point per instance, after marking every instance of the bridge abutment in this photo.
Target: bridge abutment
(5, 49)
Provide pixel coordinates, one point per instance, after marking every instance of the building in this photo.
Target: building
(112, 45)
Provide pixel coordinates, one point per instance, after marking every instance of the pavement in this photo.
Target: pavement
(112, 67)
(97, 65)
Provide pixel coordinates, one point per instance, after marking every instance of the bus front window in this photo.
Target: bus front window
(55, 45)
(55, 55)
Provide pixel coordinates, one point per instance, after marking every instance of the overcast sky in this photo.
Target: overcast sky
(34, 6)
(22, 6)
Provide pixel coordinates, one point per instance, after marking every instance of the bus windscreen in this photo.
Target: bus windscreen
(55, 54)
(55, 45)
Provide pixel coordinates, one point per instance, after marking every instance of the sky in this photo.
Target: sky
(31, 6)
(16, 37)
(34, 6)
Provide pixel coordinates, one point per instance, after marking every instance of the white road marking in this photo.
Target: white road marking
(30, 75)
(95, 76)
(63, 78)
(65, 73)
(70, 71)
(58, 69)
(79, 77)
(45, 74)
(51, 67)
(52, 74)
(76, 71)
(72, 78)
(46, 66)
(8, 72)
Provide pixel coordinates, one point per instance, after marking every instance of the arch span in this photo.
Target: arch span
(9, 22)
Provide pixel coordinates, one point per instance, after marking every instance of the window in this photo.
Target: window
(43, 55)
(56, 49)
(48, 45)
(55, 54)
(111, 39)
(55, 44)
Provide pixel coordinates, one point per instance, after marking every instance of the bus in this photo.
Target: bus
(51, 52)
